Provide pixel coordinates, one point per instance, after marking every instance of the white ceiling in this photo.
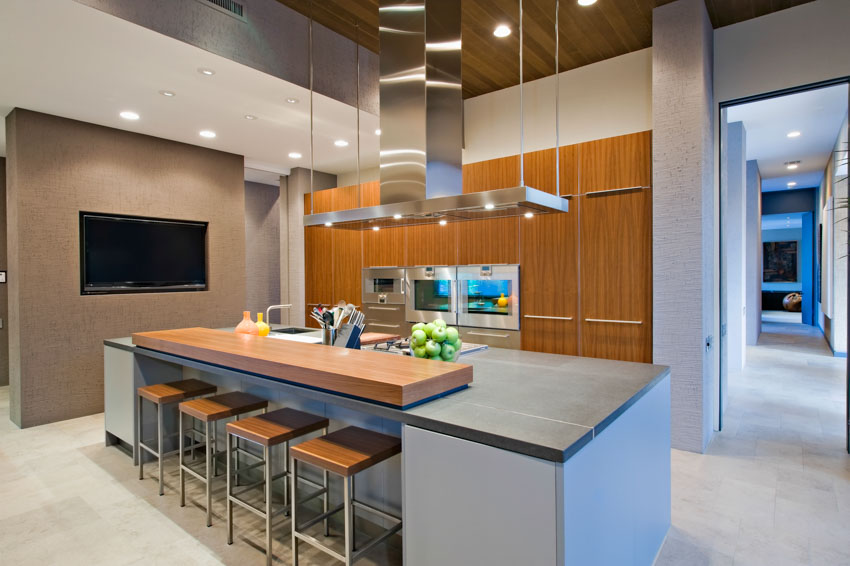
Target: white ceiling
(816, 114)
(782, 221)
(66, 59)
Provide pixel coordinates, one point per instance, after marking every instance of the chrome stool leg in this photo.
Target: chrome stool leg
(140, 431)
(293, 467)
(228, 444)
(348, 509)
(210, 454)
(268, 492)
(180, 460)
(159, 444)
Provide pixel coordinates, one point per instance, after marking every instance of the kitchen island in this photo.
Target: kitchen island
(543, 459)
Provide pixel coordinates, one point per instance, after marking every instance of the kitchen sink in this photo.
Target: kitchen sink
(293, 330)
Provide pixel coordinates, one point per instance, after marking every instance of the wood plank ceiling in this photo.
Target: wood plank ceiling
(587, 34)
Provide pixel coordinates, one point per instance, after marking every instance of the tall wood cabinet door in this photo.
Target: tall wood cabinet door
(501, 173)
(370, 194)
(432, 244)
(549, 282)
(323, 201)
(318, 266)
(383, 248)
(616, 275)
(540, 170)
(494, 240)
(347, 259)
(616, 163)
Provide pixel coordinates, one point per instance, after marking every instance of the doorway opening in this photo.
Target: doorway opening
(783, 260)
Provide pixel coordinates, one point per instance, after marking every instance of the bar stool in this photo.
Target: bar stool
(344, 452)
(165, 394)
(210, 410)
(269, 430)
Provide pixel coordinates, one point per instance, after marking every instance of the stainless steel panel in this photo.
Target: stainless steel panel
(402, 95)
(495, 338)
(510, 273)
(431, 273)
(393, 296)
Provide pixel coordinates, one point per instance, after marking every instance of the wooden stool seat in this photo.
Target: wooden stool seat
(222, 406)
(347, 451)
(277, 427)
(176, 391)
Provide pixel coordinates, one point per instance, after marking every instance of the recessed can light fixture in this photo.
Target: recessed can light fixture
(250, 117)
(129, 115)
(376, 228)
(792, 165)
(292, 100)
(794, 134)
(329, 224)
(167, 93)
(397, 216)
(341, 143)
(209, 134)
(294, 155)
(489, 206)
(586, 2)
(502, 31)
(792, 184)
(206, 71)
(529, 215)
(443, 222)
(378, 132)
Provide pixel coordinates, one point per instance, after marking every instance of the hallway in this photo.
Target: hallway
(774, 485)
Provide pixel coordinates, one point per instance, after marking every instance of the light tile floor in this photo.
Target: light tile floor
(773, 488)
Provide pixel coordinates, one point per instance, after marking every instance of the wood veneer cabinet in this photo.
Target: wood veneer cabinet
(431, 244)
(347, 252)
(495, 240)
(384, 247)
(318, 267)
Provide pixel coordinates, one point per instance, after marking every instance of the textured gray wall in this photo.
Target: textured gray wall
(683, 214)
(262, 248)
(4, 295)
(59, 167)
(754, 253)
(734, 202)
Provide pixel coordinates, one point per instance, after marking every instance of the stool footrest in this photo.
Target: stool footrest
(315, 542)
(374, 542)
(378, 512)
(316, 519)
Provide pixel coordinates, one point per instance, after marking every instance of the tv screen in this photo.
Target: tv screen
(131, 254)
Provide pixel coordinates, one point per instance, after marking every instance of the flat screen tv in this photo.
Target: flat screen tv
(132, 254)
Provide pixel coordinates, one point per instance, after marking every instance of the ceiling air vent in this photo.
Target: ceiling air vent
(229, 7)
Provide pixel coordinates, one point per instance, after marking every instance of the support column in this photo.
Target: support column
(755, 253)
(684, 272)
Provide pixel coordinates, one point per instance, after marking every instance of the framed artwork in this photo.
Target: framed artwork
(780, 262)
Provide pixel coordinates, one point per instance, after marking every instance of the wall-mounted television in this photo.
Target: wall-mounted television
(134, 254)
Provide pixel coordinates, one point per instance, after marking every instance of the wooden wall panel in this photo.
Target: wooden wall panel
(618, 162)
(347, 261)
(344, 198)
(384, 248)
(370, 194)
(495, 240)
(499, 173)
(318, 265)
(324, 201)
(432, 244)
(616, 275)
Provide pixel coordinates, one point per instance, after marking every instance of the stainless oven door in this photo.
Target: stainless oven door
(383, 286)
(488, 296)
(431, 294)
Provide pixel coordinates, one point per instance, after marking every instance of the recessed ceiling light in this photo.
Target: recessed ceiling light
(294, 155)
(489, 206)
(792, 165)
(129, 115)
(291, 100)
(209, 134)
(792, 184)
(329, 224)
(340, 143)
(502, 31)
(167, 93)
(376, 228)
(378, 132)
(397, 216)
(529, 214)
(206, 71)
(794, 134)
(250, 117)
(586, 2)
(443, 222)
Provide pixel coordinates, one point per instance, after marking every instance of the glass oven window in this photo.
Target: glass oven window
(488, 297)
(383, 285)
(432, 295)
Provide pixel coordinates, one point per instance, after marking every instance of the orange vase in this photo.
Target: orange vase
(247, 326)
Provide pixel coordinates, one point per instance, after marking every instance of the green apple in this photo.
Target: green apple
(448, 352)
(437, 357)
(440, 322)
(429, 328)
(452, 335)
(419, 352)
(418, 326)
(418, 337)
(432, 348)
(438, 334)
(458, 345)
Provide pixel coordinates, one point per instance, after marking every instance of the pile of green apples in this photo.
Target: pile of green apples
(435, 341)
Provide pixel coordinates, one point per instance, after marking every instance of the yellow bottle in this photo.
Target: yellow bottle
(262, 326)
(502, 301)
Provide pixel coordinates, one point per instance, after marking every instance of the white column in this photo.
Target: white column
(755, 252)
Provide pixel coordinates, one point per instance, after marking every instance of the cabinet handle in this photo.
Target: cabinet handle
(489, 335)
(613, 321)
(609, 191)
(548, 317)
(384, 325)
(370, 307)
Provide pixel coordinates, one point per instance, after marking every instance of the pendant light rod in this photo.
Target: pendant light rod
(557, 104)
(310, 52)
(521, 108)
(357, 101)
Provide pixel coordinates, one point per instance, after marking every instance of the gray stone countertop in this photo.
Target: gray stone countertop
(543, 405)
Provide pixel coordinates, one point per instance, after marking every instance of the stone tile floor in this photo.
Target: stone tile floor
(773, 487)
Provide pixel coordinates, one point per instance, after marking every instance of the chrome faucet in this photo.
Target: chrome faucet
(278, 307)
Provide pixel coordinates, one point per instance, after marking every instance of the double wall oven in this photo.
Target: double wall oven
(383, 300)
(431, 294)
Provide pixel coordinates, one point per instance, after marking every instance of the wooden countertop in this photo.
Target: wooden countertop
(398, 381)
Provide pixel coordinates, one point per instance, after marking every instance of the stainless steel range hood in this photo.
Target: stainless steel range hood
(422, 129)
